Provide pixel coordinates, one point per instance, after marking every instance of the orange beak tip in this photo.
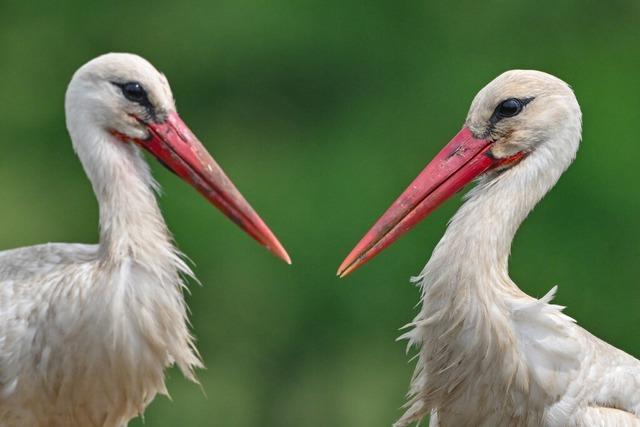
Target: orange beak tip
(345, 269)
(279, 251)
(286, 258)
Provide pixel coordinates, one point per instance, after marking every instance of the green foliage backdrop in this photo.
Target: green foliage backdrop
(322, 111)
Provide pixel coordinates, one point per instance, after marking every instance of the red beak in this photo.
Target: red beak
(178, 148)
(459, 162)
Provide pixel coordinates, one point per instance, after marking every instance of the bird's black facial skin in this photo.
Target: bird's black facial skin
(134, 92)
(510, 107)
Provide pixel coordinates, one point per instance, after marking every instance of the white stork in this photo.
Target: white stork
(86, 331)
(490, 355)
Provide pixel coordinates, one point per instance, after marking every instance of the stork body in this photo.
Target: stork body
(490, 355)
(86, 331)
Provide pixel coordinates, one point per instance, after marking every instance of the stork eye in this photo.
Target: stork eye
(134, 92)
(509, 108)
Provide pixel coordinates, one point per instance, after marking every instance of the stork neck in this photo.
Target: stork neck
(475, 249)
(131, 224)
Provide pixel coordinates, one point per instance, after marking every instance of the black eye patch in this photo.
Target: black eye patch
(510, 107)
(135, 92)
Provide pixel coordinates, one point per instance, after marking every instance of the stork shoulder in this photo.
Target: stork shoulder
(583, 376)
(28, 277)
(604, 416)
(22, 263)
(549, 342)
(611, 377)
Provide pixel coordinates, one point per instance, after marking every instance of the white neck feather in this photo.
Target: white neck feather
(467, 295)
(130, 220)
(474, 251)
(139, 267)
(131, 224)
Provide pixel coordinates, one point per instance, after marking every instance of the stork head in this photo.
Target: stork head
(521, 109)
(518, 113)
(121, 98)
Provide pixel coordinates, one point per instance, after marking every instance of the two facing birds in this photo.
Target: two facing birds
(86, 331)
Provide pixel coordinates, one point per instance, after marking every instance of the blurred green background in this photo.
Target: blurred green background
(322, 111)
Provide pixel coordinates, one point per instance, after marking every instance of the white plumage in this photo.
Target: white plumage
(86, 331)
(490, 355)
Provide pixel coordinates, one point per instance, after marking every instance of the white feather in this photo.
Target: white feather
(490, 355)
(86, 331)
